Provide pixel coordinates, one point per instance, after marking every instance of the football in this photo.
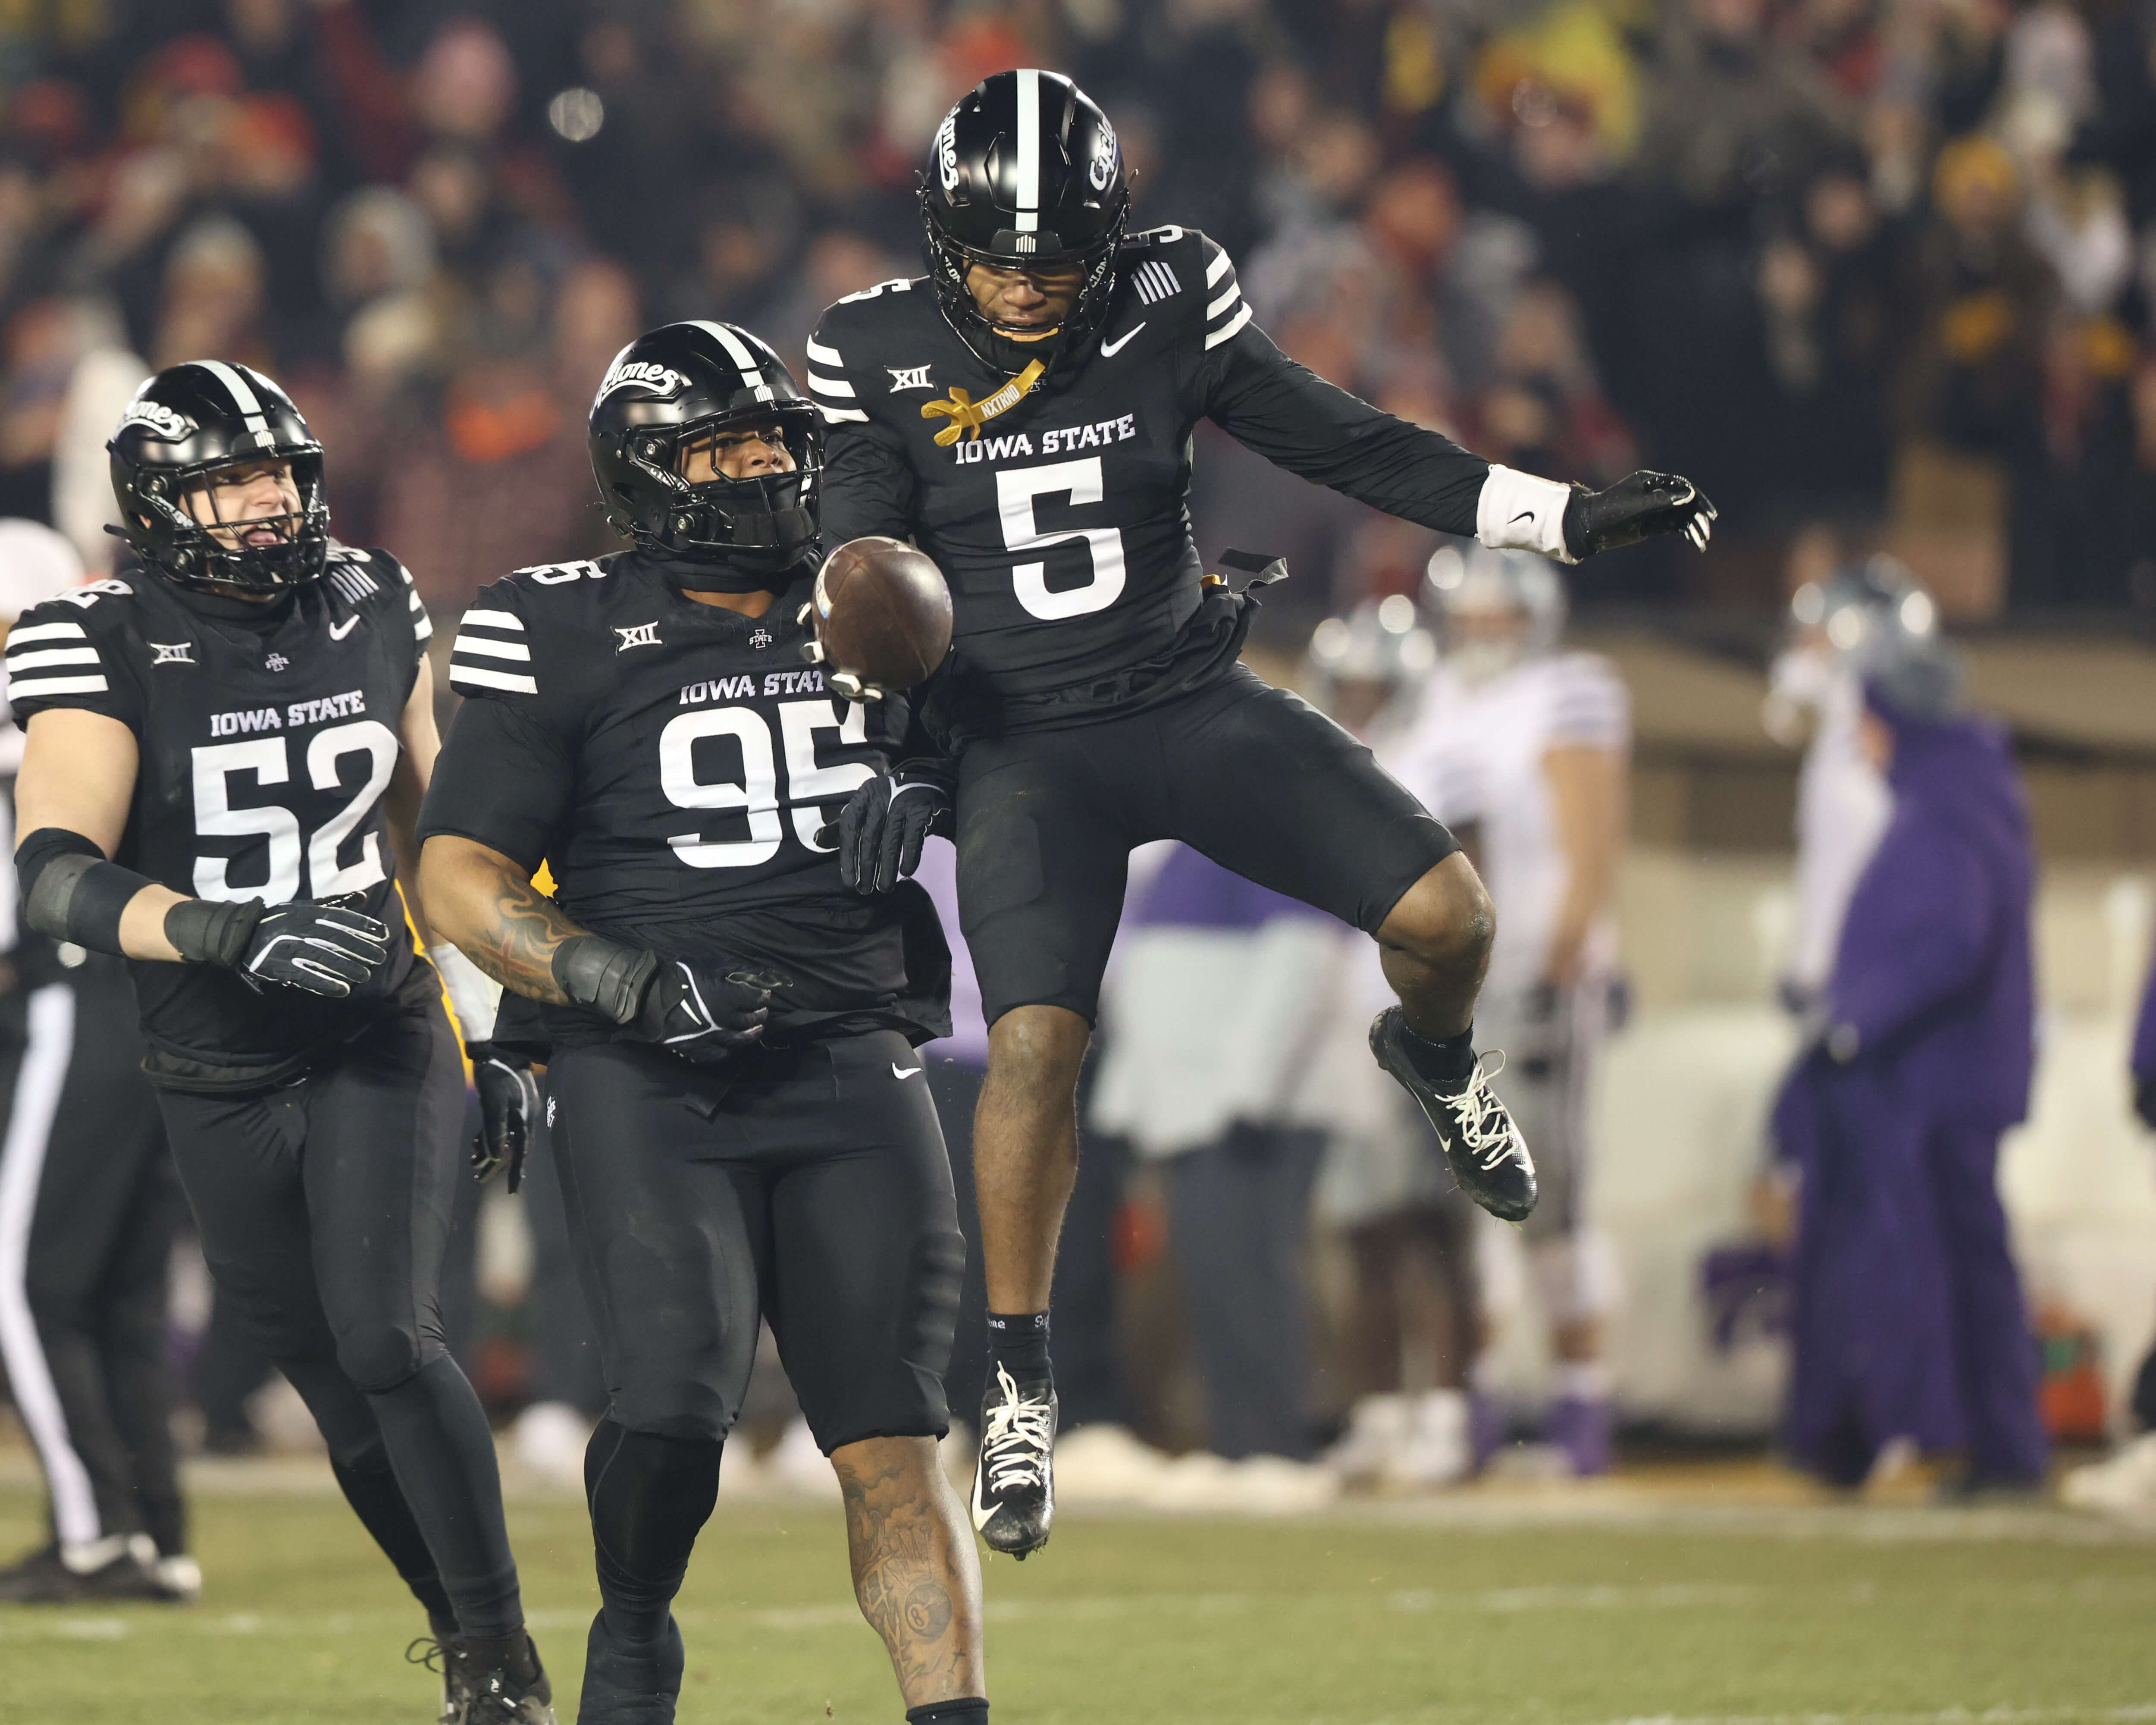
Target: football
(882, 616)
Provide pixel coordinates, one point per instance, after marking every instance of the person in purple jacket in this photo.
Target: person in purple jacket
(1910, 1327)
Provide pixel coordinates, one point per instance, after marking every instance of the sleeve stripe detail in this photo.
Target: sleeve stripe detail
(480, 648)
(1218, 268)
(1227, 330)
(52, 656)
(414, 597)
(32, 688)
(836, 415)
(831, 386)
(493, 619)
(1228, 298)
(423, 626)
(824, 356)
(467, 676)
(46, 632)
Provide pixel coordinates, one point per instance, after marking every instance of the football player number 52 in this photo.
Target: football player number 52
(1082, 481)
(267, 760)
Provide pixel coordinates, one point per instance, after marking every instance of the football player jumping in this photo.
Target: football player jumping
(226, 747)
(1024, 414)
(741, 1125)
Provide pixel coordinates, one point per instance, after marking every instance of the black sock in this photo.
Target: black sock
(1446, 1064)
(966, 1710)
(649, 1498)
(442, 1449)
(1018, 1341)
(372, 1491)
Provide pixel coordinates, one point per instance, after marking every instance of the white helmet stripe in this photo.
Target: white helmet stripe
(244, 399)
(1028, 152)
(738, 350)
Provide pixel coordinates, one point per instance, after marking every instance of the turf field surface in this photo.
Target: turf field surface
(1670, 1605)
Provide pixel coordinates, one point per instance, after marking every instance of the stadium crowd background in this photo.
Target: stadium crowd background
(1874, 272)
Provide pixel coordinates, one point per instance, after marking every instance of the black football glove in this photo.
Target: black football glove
(322, 949)
(508, 1110)
(705, 1009)
(880, 831)
(1638, 506)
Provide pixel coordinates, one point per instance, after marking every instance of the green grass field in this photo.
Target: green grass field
(1355, 1619)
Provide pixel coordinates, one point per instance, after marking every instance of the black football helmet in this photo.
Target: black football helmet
(663, 392)
(183, 425)
(1025, 173)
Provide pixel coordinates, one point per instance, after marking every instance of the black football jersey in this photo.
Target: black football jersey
(1063, 528)
(672, 763)
(267, 734)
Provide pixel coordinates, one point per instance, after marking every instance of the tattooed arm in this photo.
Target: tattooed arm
(485, 906)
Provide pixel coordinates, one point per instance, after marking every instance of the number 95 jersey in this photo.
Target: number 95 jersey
(267, 734)
(672, 763)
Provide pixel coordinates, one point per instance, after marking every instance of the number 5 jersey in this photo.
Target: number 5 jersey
(672, 763)
(267, 735)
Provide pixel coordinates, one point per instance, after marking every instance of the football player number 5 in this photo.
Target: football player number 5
(1082, 481)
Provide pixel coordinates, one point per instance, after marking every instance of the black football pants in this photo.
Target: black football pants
(325, 1208)
(1253, 777)
(88, 1210)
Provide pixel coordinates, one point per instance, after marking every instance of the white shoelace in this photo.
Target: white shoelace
(1485, 1129)
(1019, 1438)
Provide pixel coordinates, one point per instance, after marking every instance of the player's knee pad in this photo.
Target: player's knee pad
(1575, 1277)
(379, 1357)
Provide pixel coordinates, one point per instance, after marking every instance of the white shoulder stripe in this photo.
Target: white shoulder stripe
(1227, 329)
(423, 626)
(52, 656)
(44, 632)
(485, 618)
(823, 356)
(31, 688)
(479, 647)
(1218, 268)
(831, 386)
(470, 676)
(834, 414)
(1227, 299)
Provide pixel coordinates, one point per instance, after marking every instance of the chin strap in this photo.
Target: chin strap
(967, 416)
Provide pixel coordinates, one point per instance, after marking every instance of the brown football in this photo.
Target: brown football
(883, 616)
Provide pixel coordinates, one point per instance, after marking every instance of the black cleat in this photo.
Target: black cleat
(456, 1698)
(44, 1578)
(625, 1684)
(509, 1692)
(1015, 1480)
(1488, 1156)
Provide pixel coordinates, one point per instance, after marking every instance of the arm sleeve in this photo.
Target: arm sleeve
(868, 481)
(406, 595)
(59, 656)
(1918, 933)
(1296, 420)
(502, 780)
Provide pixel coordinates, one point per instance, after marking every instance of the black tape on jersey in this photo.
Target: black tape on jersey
(71, 892)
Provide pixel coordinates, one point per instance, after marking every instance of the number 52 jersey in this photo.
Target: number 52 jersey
(267, 734)
(672, 763)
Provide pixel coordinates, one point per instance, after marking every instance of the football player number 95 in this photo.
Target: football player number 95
(1016, 488)
(268, 761)
(756, 792)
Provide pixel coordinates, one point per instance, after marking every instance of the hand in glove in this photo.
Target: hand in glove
(880, 831)
(1638, 506)
(508, 1111)
(323, 949)
(705, 1009)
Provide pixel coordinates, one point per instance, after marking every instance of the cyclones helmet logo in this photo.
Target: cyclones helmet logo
(644, 374)
(1103, 167)
(947, 151)
(168, 423)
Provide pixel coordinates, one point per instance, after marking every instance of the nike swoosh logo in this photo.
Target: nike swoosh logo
(899, 1071)
(1109, 350)
(1525, 515)
(338, 633)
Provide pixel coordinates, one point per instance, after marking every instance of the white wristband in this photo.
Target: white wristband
(474, 997)
(1518, 511)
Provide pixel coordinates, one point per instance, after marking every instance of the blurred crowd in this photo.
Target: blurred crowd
(1882, 266)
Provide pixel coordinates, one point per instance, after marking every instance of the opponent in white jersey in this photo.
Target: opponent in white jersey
(1523, 749)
